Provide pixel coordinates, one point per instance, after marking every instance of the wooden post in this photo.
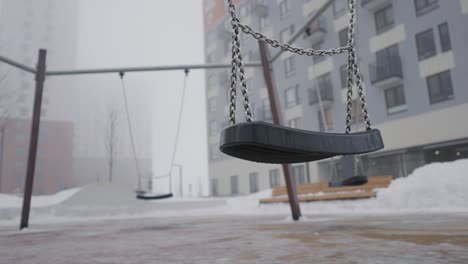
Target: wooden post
(290, 182)
(36, 119)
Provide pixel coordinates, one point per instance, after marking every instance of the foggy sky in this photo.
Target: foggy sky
(115, 33)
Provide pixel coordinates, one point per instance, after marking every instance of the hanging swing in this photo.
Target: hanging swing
(140, 193)
(270, 143)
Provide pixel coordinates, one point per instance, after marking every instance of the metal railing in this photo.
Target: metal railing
(326, 94)
(385, 68)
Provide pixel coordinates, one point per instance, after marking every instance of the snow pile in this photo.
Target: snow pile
(12, 201)
(435, 186)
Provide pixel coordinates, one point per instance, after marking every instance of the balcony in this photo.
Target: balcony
(260, 9)
(316, 31)
(372, 5)
(326, 94)
(386, 72)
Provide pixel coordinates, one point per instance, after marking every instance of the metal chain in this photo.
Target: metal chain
(237, 67)
(287, 47)
(353, 71)
(353, 67)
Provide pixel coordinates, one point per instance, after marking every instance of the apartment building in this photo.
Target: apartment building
(54, 162)
(27, 26)
(413, 58)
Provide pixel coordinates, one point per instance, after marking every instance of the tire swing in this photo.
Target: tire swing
(263, 142)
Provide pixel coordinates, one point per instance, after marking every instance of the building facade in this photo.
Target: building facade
(413, 58)
(54, 162)
(27, 26)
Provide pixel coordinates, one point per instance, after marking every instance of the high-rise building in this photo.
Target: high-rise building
(413, 58)
(25, 27)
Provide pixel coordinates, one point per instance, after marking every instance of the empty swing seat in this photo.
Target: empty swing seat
(147, 196)
(267, 143)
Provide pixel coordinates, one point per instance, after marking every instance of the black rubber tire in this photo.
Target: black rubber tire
(267, 143)
(154, 197)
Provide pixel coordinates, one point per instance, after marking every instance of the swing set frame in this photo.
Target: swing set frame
(41, 73)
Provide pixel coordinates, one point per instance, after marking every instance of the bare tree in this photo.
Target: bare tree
(111, 140)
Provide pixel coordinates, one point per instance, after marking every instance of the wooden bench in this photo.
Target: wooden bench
(321, 192)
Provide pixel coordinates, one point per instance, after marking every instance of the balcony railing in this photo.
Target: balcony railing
(386, 70)
(326, 94)
(373, 4)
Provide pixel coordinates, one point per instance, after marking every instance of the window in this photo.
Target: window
(213, 129)
(444, 35)
(384, 19)
(356, 112)
(294, 123)
(286, 33)
(253, 180)
(211, 37)
(395, 99)
(344, 76)
(324, 87)
(264, 22)
(234, 185)
(343, 36)
(289, 66)
(340, 7)
(292, 96)
(425, 44)
(425, 6)
(385, 57)
(214, 187)
(275, 178)
(299, 174)
(324, 82)
(243, 10)
(440, 87)
(266, 109)
(214, 152)
(212, 104)
(210, 58)
(318, 59)
(328, 116)
(284, 8)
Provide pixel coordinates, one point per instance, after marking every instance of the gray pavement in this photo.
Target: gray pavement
(392, 239)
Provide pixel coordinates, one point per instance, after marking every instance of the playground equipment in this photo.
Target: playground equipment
(140, 193)
(272, 143)
(282, 145)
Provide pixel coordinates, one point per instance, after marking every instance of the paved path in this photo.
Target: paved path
(224, 239)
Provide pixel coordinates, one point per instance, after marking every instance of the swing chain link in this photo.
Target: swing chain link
(353, 70)
(238, 65)
(287, 47)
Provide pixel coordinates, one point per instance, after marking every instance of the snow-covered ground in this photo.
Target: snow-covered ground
(11, 201)
(434, 188)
